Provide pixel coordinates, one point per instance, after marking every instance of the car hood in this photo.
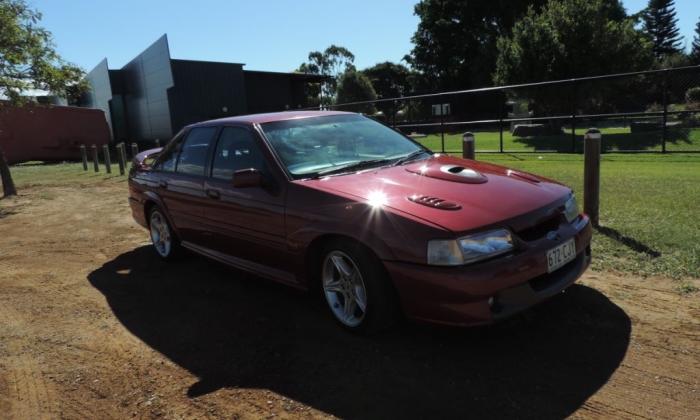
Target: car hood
(454, 193)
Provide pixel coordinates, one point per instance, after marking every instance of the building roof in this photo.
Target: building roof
(307, 77)
(272, 116)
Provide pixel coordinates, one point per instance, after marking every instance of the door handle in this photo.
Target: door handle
(163, 184)
(215, 194)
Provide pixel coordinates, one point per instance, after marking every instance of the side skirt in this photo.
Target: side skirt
(261, 270)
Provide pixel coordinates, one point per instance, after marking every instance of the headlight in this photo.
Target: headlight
(571, 209)
(470, 248)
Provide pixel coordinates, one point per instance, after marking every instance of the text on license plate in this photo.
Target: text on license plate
(562, 254)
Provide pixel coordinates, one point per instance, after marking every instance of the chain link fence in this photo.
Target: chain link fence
(650, 111)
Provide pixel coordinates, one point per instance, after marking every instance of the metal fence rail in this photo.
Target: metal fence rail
(646, 111)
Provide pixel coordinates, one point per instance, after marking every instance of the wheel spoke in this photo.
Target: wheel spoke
(333, 286)
(343, 268)
(360, 298)
(349, 307)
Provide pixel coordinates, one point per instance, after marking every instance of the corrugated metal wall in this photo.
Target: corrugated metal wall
(270, 92)
(204, 91)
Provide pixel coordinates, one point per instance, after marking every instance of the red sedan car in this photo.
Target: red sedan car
(374, 222)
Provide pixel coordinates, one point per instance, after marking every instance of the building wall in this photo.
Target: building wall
(153, 96)
(271, 92)
(204, 91)
(100, 93)
(50, 133)
(147, 79)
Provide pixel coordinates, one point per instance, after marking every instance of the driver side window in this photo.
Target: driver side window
(236, 149)
(166, 162)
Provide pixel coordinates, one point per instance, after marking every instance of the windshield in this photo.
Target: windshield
(310, 146)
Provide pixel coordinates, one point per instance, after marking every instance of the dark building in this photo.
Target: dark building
(154, 96)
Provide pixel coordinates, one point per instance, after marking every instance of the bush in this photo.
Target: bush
(692, 95)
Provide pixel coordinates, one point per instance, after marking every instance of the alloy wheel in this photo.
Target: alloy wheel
(344, 288)
(160, 234)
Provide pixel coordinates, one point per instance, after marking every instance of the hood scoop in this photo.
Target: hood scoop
(454, 173)
(434, 202)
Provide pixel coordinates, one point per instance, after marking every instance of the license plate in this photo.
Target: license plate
(562, 254)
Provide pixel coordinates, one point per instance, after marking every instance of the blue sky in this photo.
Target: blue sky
(274, 35)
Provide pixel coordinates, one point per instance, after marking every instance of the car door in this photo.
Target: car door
(246, 224)
(181, 185)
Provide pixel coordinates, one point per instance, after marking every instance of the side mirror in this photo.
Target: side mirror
(246, 178)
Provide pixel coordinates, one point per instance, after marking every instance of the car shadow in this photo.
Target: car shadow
(231, 329)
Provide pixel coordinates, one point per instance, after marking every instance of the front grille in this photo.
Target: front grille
(539, 230)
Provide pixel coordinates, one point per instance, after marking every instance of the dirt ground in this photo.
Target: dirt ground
(93, 325)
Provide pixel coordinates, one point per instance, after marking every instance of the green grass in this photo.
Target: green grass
(38, 174)
(614, 139)
(649, 208)
(650, 204)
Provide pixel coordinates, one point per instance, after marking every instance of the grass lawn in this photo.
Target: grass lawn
(614, 139)
(650, 204)
(649, 208)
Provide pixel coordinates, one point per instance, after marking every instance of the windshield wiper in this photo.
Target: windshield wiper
(409, 156)
(352, 166)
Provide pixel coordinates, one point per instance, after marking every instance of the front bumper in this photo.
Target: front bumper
(485, 292)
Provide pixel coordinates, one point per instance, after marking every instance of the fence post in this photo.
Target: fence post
(468, 146)
(442, 129)
(393, 115)
(108, 162)
(95, 161)
(120, 157)
(83, 154)
(665, 119)
(591, 174)
(134, 150)
(500, 129)
(573, 119)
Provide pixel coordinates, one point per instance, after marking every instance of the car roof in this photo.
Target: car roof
(269, 117)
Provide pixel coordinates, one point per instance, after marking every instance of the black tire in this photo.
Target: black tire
(381, 310)
(174, 250)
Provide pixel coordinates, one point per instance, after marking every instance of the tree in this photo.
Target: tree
(353, 86)
(695, 47)
(389, 80)
(660, 25)
(569, 38)
(455, 42)
(28, 61)
(332, 62)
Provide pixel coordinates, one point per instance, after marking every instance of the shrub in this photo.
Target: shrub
(692, 95)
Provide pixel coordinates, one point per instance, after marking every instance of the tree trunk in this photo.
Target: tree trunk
(8, 186)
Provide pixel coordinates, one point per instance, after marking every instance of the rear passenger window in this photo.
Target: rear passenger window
(193, 153)
(236, 149)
